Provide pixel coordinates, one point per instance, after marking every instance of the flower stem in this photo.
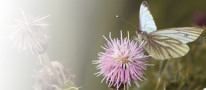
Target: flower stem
(161, 70)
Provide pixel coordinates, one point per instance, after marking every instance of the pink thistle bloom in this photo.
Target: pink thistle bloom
(30, 35)
(122, 62)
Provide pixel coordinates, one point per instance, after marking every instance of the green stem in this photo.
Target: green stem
(161, 70)
(162, 67)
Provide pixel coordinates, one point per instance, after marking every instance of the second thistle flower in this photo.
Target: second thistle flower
(122, 62)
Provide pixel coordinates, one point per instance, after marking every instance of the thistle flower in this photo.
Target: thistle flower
(46, 80)
(30, 35)
(122, 62)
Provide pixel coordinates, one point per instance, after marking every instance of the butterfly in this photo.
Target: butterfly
(165, 43)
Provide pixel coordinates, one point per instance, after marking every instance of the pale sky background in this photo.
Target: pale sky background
(75, 28)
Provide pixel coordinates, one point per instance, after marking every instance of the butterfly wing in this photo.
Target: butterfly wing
(163, 47)
(147, 23)
(183, 34)
(167, 43)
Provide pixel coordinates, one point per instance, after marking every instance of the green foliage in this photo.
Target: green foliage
(67, 86)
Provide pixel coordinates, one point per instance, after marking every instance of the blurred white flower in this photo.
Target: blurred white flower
(30, 34)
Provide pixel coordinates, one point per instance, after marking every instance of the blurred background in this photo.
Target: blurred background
(76, 28)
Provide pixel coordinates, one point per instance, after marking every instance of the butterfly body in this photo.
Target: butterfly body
(144, 36)
(166, 43)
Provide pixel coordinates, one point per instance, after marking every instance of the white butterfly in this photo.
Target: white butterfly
(166, 43)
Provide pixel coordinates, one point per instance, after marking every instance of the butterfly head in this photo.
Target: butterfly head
(142, 35)
(141, 32)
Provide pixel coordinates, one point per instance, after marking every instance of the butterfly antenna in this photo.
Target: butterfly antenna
(117, 16)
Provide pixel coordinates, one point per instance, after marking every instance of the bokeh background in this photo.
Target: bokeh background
(76, 28)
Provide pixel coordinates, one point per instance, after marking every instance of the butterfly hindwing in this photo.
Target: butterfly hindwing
(163, 47)
(147, 23)
(183, 34)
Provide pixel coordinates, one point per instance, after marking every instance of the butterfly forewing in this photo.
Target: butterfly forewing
(163, 47)
(183, 34)
(147, 23)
